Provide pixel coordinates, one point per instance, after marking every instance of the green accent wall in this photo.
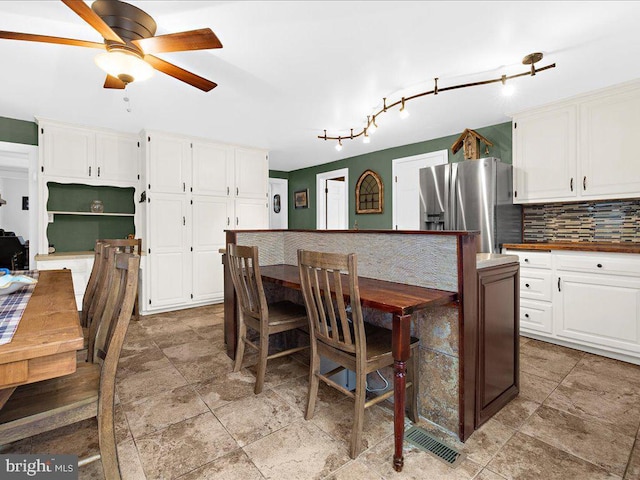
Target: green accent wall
(18, 131)
(381, 162)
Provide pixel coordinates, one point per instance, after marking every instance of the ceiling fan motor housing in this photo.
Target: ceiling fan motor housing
(129, 22)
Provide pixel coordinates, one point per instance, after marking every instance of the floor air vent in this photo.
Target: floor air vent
(421, 439)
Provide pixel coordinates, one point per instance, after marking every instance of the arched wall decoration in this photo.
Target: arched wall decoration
(369, 193)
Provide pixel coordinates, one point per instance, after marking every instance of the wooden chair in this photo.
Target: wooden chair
(89, 392)
(94, 280)
(344, 338)
(128, 245)
(254, 312)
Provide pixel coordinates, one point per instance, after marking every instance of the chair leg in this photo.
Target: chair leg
(314, 370)
(358, 418)
(413, 376)
(107, 439)
(262, 362)
(242, 333)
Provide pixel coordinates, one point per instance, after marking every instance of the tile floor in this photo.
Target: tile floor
(184, 414)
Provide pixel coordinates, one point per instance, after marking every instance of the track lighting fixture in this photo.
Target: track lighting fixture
(404, 113)
(508, 89)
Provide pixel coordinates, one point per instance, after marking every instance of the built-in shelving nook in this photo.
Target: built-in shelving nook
(73, 227)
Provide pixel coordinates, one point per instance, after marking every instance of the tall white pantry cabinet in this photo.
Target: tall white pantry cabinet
(195, 189)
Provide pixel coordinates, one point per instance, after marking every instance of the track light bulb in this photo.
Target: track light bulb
(507, 88)
(404, 113)
(339, 145)
(373, 127)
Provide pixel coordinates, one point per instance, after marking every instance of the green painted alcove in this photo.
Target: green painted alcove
(72, 233)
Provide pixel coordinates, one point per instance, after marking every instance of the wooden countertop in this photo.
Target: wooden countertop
(386, 296)
(606, 247)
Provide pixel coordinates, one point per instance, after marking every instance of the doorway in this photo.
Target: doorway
(406, 187)
(18, 173)
(332, 211)
(278, 204)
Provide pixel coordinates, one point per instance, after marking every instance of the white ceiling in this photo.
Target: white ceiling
(290, 69)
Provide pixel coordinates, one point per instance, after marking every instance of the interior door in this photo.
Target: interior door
(406, 188)
(336, 216)
(278, 204)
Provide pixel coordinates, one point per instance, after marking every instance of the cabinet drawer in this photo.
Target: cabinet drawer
(535, 284)
(536, 316)
(626, 264)
(531, 259)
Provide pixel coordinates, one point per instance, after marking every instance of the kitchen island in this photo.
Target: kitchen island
(440, 267)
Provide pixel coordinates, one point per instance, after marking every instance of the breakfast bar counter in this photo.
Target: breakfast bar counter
(415, 283)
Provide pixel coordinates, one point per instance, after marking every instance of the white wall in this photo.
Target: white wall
(14, 185)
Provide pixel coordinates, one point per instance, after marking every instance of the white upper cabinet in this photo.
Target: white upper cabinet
(68, 151)
(95, 157)
(169, 163)
(609, 148)
(251, 173)
(545, 155)
(212, 169)
(117, 157)
(582, 148)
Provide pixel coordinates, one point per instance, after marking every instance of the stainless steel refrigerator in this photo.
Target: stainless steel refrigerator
(472, 195)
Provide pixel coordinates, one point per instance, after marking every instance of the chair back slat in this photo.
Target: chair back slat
(245, 273)
(92, 285)
(326, 279)
(99, 305)
(116, 304)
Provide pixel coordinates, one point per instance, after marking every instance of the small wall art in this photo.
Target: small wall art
(301, 198)
(369, 193)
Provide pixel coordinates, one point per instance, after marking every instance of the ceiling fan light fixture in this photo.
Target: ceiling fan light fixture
(128, 67)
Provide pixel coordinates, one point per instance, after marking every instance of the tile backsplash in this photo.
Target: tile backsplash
(599, 221)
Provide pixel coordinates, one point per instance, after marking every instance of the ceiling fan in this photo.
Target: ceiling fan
(129, 41)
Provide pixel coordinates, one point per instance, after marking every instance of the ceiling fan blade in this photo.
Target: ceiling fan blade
(47, 39)
(113, 82)
(180, 73)
(201, 39)
(93, 19)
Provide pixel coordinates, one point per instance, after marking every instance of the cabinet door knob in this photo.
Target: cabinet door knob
(559, 284)
(526, 315)
(526, 260)
(526, 285)
(584, 183)
(571, 184)
(599, 265)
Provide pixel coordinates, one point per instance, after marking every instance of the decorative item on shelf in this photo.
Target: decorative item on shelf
(369, 193)
(301, 198)
(371, 125)
(470, 140)
(97, 206)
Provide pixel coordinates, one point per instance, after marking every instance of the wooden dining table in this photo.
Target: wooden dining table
(398, 299)
(48, 336)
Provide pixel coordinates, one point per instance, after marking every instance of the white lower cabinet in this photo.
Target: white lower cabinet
(80, 266)
(594, 303)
